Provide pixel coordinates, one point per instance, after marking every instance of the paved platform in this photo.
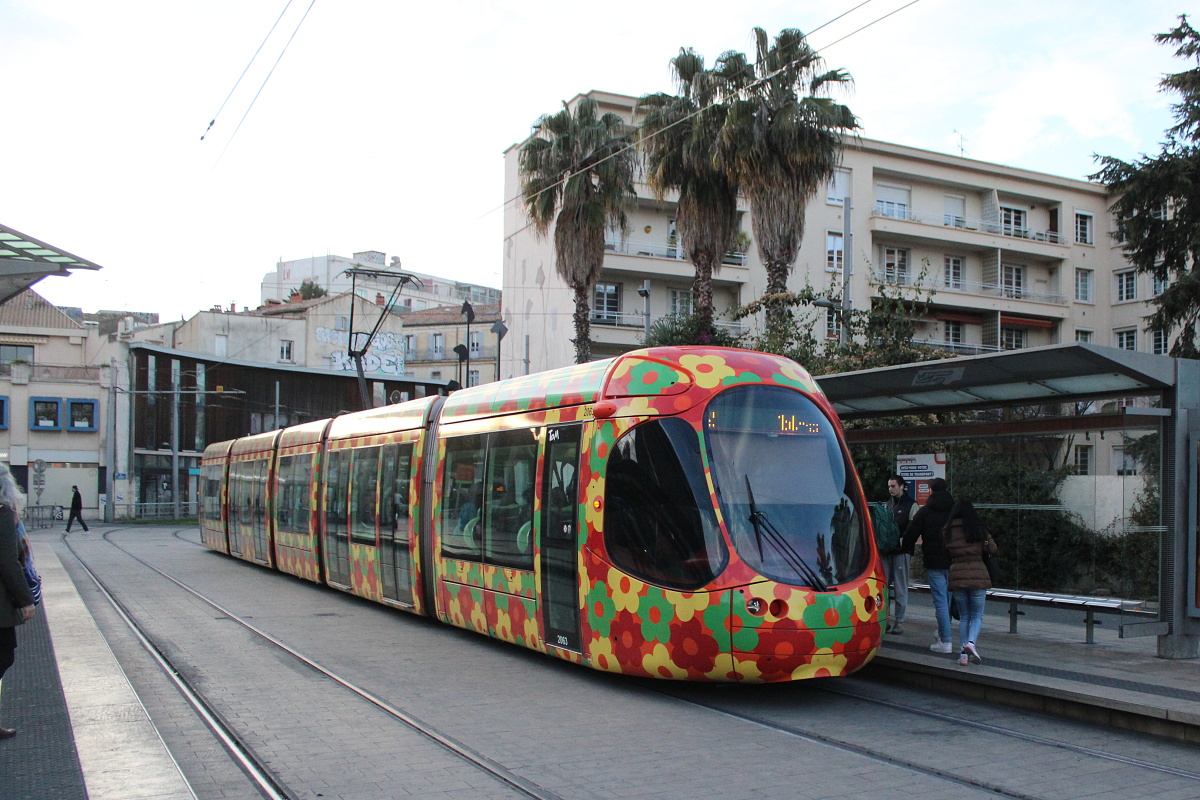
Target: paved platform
(83, 732)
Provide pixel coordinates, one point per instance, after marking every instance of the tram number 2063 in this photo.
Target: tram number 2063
(562, 640)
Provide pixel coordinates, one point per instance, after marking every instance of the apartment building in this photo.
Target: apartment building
(1013, 258)
(441, 345)
(328, 271)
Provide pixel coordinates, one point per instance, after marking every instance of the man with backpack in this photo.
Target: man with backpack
(895, 564)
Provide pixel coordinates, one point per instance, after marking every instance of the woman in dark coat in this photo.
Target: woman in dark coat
(965, 537)
(16, 601)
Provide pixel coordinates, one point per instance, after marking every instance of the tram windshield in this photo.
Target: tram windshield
(785, 489)
(659, 521)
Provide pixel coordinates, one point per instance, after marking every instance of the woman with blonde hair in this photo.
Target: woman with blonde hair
(16, 599)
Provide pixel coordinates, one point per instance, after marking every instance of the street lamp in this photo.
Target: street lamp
(644, 292)
(469, 311)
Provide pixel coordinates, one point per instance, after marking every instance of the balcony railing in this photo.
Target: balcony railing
(958, 348)
(977, 289)
(638, 320)
(901, 211)
(625, 247)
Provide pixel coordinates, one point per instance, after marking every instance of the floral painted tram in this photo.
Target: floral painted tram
(678, 512)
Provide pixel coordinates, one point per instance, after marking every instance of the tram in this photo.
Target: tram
(686, 513)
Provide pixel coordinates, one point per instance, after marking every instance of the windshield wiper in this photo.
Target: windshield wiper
(794, 560)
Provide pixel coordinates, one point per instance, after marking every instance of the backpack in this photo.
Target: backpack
(887, 532)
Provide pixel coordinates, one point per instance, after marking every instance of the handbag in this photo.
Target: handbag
(989, 561)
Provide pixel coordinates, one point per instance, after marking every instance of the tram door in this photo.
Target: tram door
(560, 540)
(394, 475)
(337, 534)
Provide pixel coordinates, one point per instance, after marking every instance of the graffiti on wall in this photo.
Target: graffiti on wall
(386, 354)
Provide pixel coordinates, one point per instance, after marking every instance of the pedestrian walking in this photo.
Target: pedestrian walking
(966, 538)
(16, 599)
(896, 565)
(76, 509)
(926, 527)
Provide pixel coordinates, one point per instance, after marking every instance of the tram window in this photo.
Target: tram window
(394, 475)
(283, 494)
(659, 523)
(335, 493)
(363, 492)
(511, 470)
(462, 498)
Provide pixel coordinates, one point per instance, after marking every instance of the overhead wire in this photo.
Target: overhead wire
(213, 121)
(264, 83)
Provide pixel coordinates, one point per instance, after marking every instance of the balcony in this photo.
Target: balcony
(625, 255)
(939, 228)
(970, 289)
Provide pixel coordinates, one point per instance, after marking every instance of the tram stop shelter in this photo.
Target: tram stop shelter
(1072, 400)
(24, 261)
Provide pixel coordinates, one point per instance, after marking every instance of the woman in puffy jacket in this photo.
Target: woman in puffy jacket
(965, 537)
(16, 600)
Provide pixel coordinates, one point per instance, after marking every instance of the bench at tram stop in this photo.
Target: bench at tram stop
(1144, 622)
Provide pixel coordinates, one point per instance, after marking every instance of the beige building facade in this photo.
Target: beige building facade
(1013, 258)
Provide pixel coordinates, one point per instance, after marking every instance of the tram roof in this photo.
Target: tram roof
(1055, 373)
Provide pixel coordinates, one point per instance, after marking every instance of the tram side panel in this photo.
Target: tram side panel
(214, 519)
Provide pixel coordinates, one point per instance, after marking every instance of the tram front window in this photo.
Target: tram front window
(786, 491)
(659, 523)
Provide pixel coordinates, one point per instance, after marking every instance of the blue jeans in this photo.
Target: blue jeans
(939, 588)
(970, 609)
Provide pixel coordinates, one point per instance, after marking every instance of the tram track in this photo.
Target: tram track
(266, 780)
(925, 768)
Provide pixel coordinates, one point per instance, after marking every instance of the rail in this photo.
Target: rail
(734, 258)
(901, 211)
(1147, 625)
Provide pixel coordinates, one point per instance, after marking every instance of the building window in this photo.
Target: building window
(1084, 228)
(1013, 338)
(221, 345)
(435, 375)
(607, 305)
(439, 345)
(1158, 343)
(1012, 222)
(285, 350)
(1083, 285)
(681, 302)
(953, 332)
(838, 188)
(834, 252)
(1125, 339)
(15, 352)
(956, 211)
(833, 324)
(952, 270)
(895, 266)
(472, 377)
(3, 413)
(410, 345)
(476, 344)
(81, 415)
(1160, 285)
(1126, 286)
(1083, 459)
(1126, 465)
(45, 414)
(892, 201)
(341, 324)
(1012, 280)
(1083, 336)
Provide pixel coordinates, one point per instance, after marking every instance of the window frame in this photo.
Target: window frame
(953, 268)
(68, 415)
(4, 404)
(1012, 281)
(1125, 286)
(1084, 465)
(832, 196)
(1088, 278)
(1085, 335)
(835, 256)
(1013, 338)
(895, 265)
(954, 332)
(1014, 222)
(1160, 343)
(1085, 228)
(606, 303)
(58, 416)
(18, 354)
(1120, 335)
(287, 351)
(683, 302)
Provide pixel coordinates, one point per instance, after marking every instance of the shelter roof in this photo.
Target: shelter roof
(24, 261)
(1056, 373)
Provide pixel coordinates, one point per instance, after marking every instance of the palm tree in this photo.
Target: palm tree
(679, 136)
(577, 175)
(781, 142)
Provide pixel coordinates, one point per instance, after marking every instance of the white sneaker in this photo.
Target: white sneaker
(941, 647)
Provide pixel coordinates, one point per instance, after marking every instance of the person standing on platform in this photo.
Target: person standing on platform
(966, 537)
(926, 527)
(902, 508)
(76, 509)
(16, 599)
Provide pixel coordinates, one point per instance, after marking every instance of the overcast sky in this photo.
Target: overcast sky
(384, 123)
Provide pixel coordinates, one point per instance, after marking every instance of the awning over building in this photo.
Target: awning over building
(24, 261)
(1057, 373)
